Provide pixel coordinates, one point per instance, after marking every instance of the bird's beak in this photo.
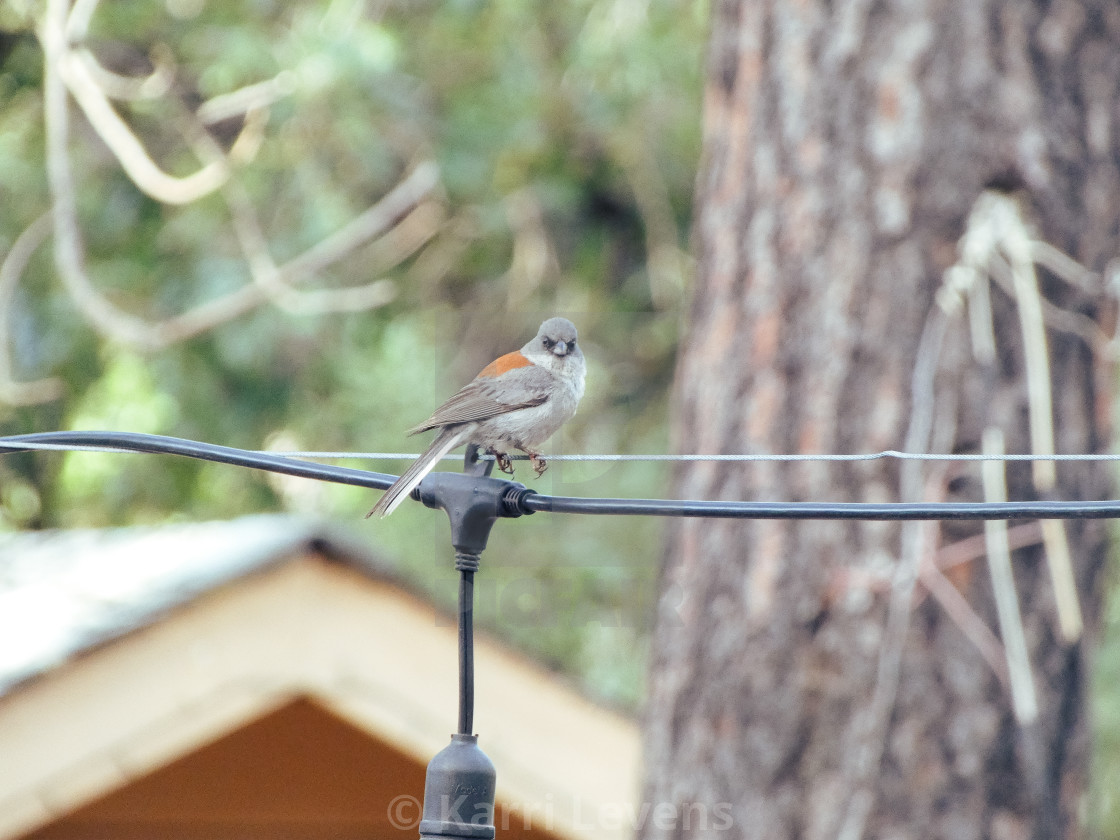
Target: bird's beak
(560, 348)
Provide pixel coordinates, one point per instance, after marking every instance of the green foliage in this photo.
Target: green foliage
(566, 137)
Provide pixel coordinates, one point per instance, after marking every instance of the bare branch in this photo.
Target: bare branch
(1024, 700)
(249, 98)
(12, 391)
(956, 606)
(68, 248)
(370, 224)
(277, 284)
(129, 88)
(366, 226)
(127, 148)
(403, 212)
(998, 244)
(869, 735)
(972, 548)
(77, 20)
(1066, 267)
(277, 281)
(317, 258)
(408, 236)
(1016, 243)
(250, 139)
(1055, 317)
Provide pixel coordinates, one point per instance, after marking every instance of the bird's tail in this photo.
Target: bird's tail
(445, 441)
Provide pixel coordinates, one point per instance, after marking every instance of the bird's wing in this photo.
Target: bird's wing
(486, 396)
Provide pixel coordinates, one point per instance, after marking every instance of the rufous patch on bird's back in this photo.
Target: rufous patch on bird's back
(505, 363)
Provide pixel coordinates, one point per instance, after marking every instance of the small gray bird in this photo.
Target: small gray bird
(518, 401)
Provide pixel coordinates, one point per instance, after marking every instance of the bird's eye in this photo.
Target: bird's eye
(548, 342)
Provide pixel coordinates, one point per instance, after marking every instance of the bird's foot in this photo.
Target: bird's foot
(539, 463)
(505, 463)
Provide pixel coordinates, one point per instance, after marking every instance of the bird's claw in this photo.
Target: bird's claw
(505, 463)
(539, 463)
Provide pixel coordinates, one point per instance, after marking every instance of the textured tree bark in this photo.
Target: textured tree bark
(845, 145)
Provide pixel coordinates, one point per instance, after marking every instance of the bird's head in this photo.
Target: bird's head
(557, 336)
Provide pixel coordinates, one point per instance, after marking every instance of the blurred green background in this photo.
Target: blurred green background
(566, 137)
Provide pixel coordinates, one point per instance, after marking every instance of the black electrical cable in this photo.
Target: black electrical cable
(533, 502)
(161, 445)
(518, 501)
(466, 647)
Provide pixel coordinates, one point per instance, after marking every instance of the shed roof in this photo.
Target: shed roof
(122, 650)
(65, 592)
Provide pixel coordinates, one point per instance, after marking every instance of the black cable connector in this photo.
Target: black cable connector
(460, 780)
(459, 793)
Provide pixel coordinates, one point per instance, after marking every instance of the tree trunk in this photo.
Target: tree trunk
(803, 685)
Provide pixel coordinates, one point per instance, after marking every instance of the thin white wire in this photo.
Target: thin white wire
(744, 458)
(62, 447)
(869, 456)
